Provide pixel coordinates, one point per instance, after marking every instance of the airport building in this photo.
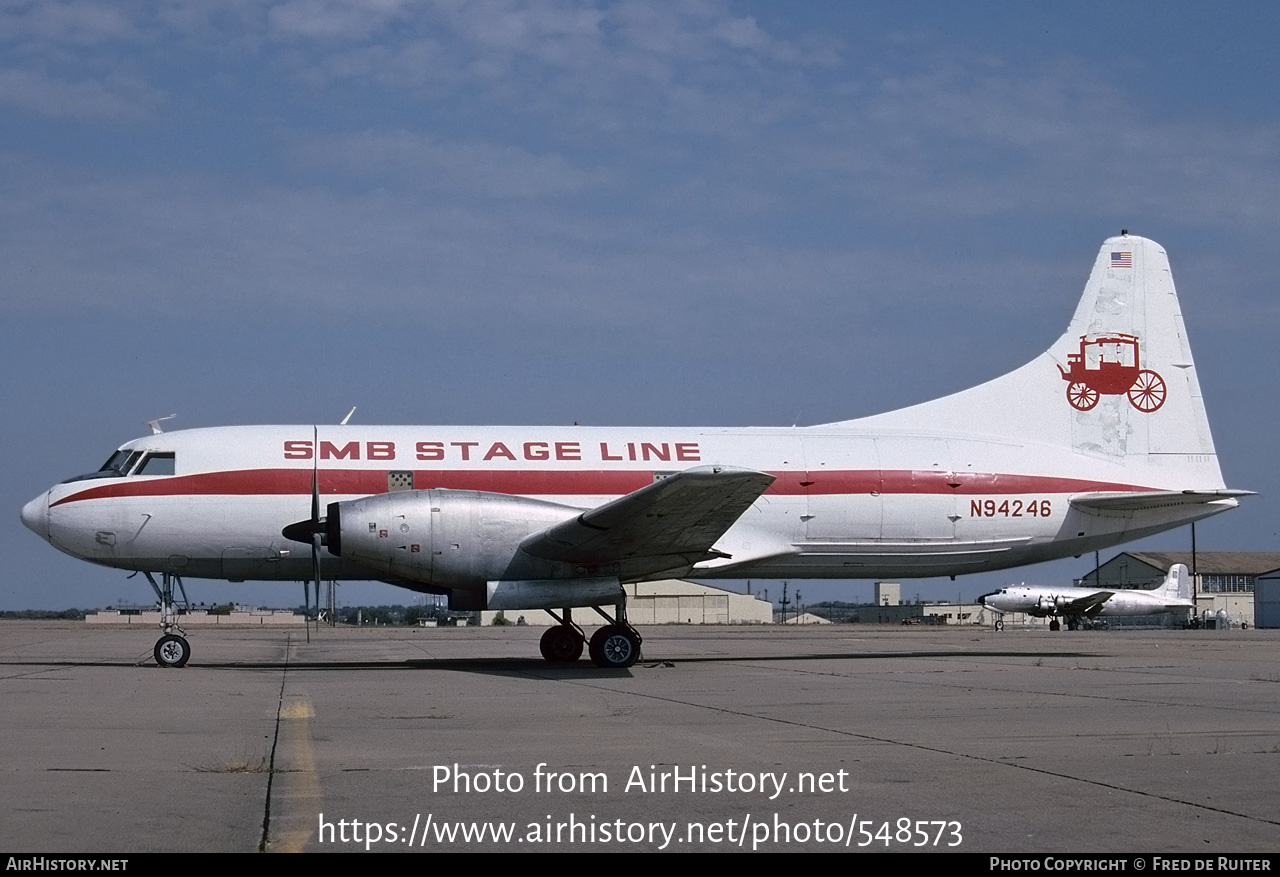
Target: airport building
(667, 602)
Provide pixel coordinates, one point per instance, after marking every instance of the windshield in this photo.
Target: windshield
(117, 466)
(118, 463)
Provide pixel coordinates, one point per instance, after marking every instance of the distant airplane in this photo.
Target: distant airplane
(1101, 439)
(1081, 605)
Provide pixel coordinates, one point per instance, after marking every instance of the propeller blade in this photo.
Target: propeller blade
(316, 523)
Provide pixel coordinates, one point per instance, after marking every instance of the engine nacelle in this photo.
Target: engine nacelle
(444, 538)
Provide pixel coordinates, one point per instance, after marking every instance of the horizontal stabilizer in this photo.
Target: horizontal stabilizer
(683, 514)
(1105, 501)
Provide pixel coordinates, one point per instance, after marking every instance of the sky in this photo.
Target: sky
(669, 213)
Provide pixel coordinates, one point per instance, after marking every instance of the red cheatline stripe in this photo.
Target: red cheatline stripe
(582, 482)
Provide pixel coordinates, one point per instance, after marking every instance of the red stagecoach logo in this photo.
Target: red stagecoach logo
(1110, 365)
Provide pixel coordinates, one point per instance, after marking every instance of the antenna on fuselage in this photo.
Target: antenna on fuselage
(344, 420)
(154, 423)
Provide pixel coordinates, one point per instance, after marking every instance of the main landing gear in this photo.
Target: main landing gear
(172, 649)
(614, 646)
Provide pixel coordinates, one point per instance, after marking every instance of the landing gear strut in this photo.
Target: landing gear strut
(172, 649)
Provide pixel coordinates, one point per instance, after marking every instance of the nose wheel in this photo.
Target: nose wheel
(172, 651)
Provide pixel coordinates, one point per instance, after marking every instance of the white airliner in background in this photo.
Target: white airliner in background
(1077, 605)
(1101, 439)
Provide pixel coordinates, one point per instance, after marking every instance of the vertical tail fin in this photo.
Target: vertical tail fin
(1177, 584)
(1120, 385)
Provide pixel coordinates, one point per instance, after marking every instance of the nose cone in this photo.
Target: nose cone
(35, 515)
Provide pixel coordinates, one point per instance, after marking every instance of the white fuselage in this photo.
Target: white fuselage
(846, 503)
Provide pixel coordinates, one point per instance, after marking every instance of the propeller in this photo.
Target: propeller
(311, 531)
(317, 540)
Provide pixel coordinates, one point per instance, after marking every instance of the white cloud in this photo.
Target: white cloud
(339, 21)
(118, 96)
(400, 158)
(74, 23)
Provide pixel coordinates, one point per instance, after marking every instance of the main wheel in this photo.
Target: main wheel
(1148, 391)
(561, 644)
(1081, 396)
(614, 646)
(1055, 625)
(1000, 624)
(596, 645)
(172, 651)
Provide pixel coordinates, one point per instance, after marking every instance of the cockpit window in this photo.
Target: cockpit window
(117, 466)
(120, 463)
(157, 464)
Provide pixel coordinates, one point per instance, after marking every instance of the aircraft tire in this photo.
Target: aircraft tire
(614, 647)
(1000, 624)
(596, 646)
(561, 645)
(1055, 625)
(172, 651)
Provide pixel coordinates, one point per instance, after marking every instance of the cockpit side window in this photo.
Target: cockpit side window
(157, 464)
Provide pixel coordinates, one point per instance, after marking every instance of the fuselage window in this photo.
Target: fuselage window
(156, 464)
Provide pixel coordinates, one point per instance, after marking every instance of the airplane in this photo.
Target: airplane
(1101, 439)
(1083, 605)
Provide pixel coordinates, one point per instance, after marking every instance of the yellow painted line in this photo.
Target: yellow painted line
(297, 709)
(298, 799)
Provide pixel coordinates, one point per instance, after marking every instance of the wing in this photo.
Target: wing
(669, 524)
(1090, 605)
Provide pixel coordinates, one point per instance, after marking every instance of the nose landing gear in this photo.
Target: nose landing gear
(172, 649)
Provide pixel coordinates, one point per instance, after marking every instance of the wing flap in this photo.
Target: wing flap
(682, 515)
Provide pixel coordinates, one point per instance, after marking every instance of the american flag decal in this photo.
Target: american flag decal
(1122, 260)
